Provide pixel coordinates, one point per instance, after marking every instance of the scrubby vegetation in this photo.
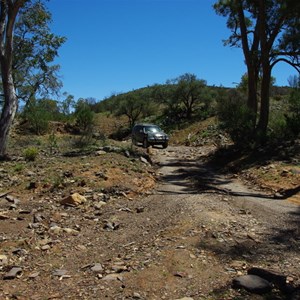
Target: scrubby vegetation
(180, 105)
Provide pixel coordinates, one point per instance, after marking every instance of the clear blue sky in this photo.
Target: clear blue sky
(115, 46)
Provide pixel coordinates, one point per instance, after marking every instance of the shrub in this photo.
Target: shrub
(52, 142)
(38, 116)
(235, 117)
(293, 118)
(278, 126)
(84, 116)
(18, 168)
(31, 153)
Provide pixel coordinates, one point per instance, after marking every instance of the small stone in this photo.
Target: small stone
(45, 247)
(12, 199)
(99, 205)
(136, 295)
(100, 152)
(111, 226)
(70, 231)
(111, 277)
(139, 210)
(237, 264)
(144, 160)
(24, 212)
(55, 229)
(278, 195)
(181, 274)
(119, 269)
(3, 260)
(13, 273)
(32, 185)
(33, 275)
(37, 218)
(97, 268)
(12, 207)
(59, 272)
(3, 217)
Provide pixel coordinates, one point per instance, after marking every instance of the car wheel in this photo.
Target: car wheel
(165, 145)
(145, 143)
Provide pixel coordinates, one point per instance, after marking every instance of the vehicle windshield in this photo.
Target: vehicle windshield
(152, 129)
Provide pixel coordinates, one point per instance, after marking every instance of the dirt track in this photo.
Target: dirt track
(189, 238)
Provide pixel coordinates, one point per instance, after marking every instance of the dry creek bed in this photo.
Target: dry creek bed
(188, 238)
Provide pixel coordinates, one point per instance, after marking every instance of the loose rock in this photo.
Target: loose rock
(13, 273)
(252, 284)
(73, 200)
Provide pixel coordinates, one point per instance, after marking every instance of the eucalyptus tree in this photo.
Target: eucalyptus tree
(35, 49)
(67, 104)
(184, 94)
(132, 106)
(268, 32)
(8, 14)
(27, 50)
(189, 92)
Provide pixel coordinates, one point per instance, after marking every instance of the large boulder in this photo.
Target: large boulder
(252, 284)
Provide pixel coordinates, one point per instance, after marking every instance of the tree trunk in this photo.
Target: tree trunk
(250, 54)
(8, 111)
(8, 12)
(266, 74)
(252, 93)
(189, 112)
(265, 103)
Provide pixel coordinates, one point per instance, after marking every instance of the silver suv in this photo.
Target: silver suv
(149, 135)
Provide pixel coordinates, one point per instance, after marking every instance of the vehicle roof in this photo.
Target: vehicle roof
(145, 124)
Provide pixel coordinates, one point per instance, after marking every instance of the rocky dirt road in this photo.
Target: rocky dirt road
(187, 239)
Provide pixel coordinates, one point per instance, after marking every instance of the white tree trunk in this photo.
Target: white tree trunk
(8, 14)
(7, 116)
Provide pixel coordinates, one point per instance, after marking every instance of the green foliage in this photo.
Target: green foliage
(134, 105)
(235, 117)
(268, 33)
(31, 153)
(52, 142)
(38, 113)
(84, 116)
(278, 126)
(18, 168)
(121, 133)
(243, 85)
(293, 118)
(66, 106)
(185, 96)
(131, 105)
(38, 116)
(37, 48)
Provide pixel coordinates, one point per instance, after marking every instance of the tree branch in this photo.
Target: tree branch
(295, 66)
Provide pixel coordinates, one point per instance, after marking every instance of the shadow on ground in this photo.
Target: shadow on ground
(201, 176)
